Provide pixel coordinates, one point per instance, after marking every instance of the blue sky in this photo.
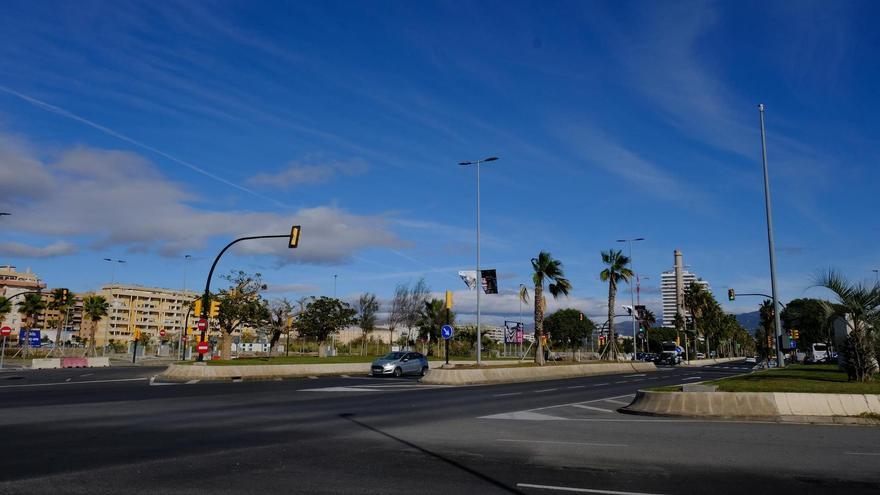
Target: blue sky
(146, 131)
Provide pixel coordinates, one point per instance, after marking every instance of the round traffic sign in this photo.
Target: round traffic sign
(446, 331)
(202, 347)
(162, 333)
(202, 325)
(5, 331)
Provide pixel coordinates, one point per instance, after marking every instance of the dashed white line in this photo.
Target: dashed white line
(862, 453)
(578, 386)
(546, 390)
(579, 490)
(591, 444)
(73, 383)
(601, 384)
(507, 395)
(691, 378)
(591, 408)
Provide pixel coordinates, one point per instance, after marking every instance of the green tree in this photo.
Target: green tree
(240, 306)
(568, 328)
(324, 317)
(94, 308)
(32, 306)
(704, 311)
(367, 309)
(433, 318)
(860, 307)
(61, 304)
(616, 271)
(545, 269)
(647, 320)
(812, 319)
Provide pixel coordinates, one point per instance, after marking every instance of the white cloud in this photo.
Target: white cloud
(118, 198)
(19, 250)
(299, 173)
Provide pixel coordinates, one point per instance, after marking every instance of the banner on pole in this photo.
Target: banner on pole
(489, 281)
(469, 277)
(513, 332)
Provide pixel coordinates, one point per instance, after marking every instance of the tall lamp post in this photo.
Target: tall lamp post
(645, 346)
(876, 275)
(113, 263)
(780, 359)
(632, 299)
(479, 273)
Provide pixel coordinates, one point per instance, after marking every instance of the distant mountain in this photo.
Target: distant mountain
(749, 321)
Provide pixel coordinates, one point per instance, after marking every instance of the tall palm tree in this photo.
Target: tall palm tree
(648, 321)
(94, 308)
(616, 271)
(5, 308)
(546, 268)
(60, 302)
(860, 307)
(699, 303)
(32, 305)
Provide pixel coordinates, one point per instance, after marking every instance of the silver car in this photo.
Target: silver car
(400, 363)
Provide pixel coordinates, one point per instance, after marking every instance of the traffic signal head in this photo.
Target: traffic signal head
(294, 237)
(197, 309)
(65, 296)
(582, 317)
(215, 309)
(731, 294)
(795, 334)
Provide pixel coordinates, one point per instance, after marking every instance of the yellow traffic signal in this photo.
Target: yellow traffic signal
(769, 341)
(215, 309)
(198, 307)
(289, 322)
(731, 294)
(449, 299)
(137, 334)
(294, 237)
(795, 334)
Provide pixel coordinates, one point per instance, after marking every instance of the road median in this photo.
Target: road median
(530, 373)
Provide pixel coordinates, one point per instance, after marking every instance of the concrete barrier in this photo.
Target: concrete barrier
(98, 362)
(752, 405)
(45, 364)
(708, 362)
(74, 362)
(185, 372)
(530, 373)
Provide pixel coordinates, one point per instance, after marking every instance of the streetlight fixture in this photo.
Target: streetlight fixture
(479, 274)
(186, 258)
(877, 275)
(630, 242)
(113, 262)
(4, 214)
(780, 359)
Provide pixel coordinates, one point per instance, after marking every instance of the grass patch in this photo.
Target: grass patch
(812, 378)
(291, 360)
(667, 388)
(870, 415)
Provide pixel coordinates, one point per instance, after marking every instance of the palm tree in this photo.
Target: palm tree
(61, 301)
(432, 319)
(5, 308)
(94, 308)
(648, 320)
(546, 268)
(699, 303)
(860, 307)
(616, 271)
(32, 305)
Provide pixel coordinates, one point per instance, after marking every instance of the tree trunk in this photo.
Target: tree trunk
(226, 345)
(93, 331)
(322, 349)
(612, 339)
(58, 336)
(539, 323)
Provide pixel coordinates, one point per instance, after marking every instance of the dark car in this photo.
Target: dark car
(399, 363)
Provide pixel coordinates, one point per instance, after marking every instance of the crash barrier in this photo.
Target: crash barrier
(708, 362)
(71, 362)
(530, 373)
(758, 405)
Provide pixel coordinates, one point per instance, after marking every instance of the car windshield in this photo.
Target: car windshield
(394, 355)
(819, 347)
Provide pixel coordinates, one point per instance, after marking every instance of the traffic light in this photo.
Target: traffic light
(769, 341)
(731, 294)
(215, 309)
(449, 299)
(795, 334)
(198, 307)
(137, 334)
(65, 296)
(581, 317)
(294, 237)
(289, 322)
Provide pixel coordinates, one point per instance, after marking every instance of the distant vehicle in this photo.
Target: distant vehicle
(701, 355)
(671, 354)
(751, 360)
(400, 363)
(819, 353)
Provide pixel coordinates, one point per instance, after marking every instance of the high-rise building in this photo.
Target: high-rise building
(71, 319)
(148, 309)
(12, 283)
(667, 292)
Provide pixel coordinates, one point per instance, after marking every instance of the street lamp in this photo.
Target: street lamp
(479, 274)
(630, 242)
(113, 262)
(186, 258)
(877, 275)
(780, 360)
(4, 214)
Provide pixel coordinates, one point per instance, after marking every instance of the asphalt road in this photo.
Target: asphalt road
(113, 431)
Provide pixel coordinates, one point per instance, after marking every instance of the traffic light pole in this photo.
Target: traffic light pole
(206, 297)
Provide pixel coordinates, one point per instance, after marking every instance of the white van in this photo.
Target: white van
(819, 352)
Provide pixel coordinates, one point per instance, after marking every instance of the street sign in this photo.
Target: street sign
(5, 331)
(446, 332)
(162, 333)
(202, 347)
(202, 325)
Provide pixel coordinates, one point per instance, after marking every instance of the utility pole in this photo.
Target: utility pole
(780, 359)
(631, 296)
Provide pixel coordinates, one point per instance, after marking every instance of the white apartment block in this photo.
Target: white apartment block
(148, 309)
(667, 292)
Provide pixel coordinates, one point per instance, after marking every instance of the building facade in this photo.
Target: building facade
(71, 319)
(668, 291)
(147, 309)
(13, 283)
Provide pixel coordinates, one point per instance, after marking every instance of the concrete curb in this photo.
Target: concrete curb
(531, 373)
(768, 406)
(696, 363)
(70, 362)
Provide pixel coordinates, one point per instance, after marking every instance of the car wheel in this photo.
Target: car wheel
(398, 372)
(424, 371)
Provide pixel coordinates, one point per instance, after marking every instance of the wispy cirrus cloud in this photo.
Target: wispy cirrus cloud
(19, 250)
(310, 171)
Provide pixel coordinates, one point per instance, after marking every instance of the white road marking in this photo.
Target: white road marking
(73, 383)
(86, 374)
(313, 378)
(624, 381)
(862, 453)
(67, 380)
(579, 490)
(546, 390)
(339, 389)
(192, 382)
(593, 408)
(561, 443)
(632, 376)
(601, 384)
(691, 378)
(617, 402)
(507, 395)
(525, 415)
(578, 386)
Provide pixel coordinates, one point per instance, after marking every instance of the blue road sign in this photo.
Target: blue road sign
(446, 332)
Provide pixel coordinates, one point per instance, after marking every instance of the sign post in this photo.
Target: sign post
(446, 332)
(5, 331)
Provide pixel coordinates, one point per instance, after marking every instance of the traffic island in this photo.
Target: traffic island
(530, 373)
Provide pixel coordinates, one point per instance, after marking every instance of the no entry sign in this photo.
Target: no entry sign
(202, 347)
(202, 325)
(162, 332)
(5, 331)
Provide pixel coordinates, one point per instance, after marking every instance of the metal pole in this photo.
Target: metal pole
(3, 353)
(479, 273)
(632, 300)
(780, 361)
(447, 340)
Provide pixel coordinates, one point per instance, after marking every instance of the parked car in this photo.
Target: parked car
(751, 360)
(701, 355)
(400, 363)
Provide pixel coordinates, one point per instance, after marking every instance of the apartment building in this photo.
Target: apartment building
(148, 309)
(12, 283)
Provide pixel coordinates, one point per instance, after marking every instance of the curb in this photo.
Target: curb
(529, 374)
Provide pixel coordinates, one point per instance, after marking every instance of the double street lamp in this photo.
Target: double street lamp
(632, 300)
(113, 262)
(479, 274)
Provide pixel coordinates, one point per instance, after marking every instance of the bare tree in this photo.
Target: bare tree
(397, 315)
(415, 304)
(367, 308)
(280, 311)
